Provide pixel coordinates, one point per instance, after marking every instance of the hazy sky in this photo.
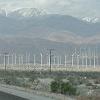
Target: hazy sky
(69, 7)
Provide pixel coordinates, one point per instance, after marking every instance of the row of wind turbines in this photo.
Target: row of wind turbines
(75, 58)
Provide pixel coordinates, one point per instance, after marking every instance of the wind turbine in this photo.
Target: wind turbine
(34, 60)
(90, 57)
(29, 59)
(81, 57)
(97, 61)
(15, 59)
(72, 60)
(41, 59)
(86, 57)
(73, 54)
(78, 61)
(94, 56)
(49, 60)
(12, 58)
(19, 60)
(58, 60)
(65, 60)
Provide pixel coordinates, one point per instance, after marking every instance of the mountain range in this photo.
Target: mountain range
(34, 26)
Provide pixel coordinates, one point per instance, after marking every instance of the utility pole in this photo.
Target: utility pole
(5, 60)
(50, 58)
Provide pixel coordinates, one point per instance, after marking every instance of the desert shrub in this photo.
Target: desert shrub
(55, 86)
(58, 86)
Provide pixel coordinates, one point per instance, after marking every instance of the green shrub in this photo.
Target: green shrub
(67, 88)
(54, 86)
(62, 87)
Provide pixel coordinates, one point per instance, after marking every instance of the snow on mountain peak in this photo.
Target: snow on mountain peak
(91, 19)
(28, 12)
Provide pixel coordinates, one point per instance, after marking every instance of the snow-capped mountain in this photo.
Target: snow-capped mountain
(31, 12)
(27, 12)
(91, 19)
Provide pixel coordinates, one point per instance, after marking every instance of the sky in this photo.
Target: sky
(68, 7)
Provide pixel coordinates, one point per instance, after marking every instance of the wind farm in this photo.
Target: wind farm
(77, 60)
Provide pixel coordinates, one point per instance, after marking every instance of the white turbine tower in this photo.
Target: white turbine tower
(58, 60)
(94, 57)
(90, 63)
(15, 59)
(49, 60)
(86, 58)
(19, 60)
(8, 59)
(65, 60)
(5, 60)
(41, 59)
(82, 58)
(34, 60)
(26, 58)
(78, 61)
(97, 57)
(72, 60)
(12, 58)
(97, 60)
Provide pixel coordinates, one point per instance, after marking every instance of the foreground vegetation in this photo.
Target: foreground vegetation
(82, 85)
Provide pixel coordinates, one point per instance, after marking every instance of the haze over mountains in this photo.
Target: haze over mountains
(33, 26)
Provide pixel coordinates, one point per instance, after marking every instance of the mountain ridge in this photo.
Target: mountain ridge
(62, 28)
